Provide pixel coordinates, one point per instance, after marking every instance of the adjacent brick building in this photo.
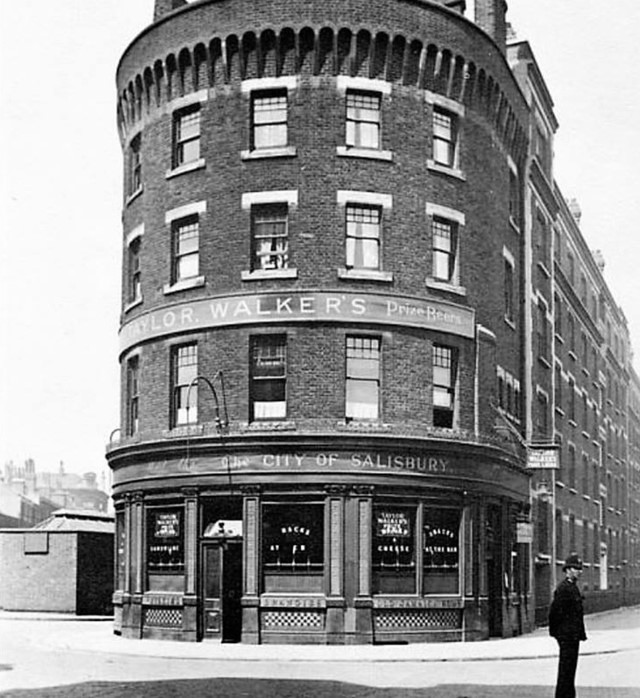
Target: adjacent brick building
(327, 377)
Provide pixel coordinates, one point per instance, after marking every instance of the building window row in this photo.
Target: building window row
(269, 127)
(268, 396)
(365, 220)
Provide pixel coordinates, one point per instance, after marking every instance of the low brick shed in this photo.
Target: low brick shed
(63, 565)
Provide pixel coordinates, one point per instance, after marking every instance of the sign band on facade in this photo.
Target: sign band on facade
(296, 306)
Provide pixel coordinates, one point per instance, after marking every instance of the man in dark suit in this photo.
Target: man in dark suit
(566, 624)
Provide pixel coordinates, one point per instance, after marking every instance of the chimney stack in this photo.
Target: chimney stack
(491, 15)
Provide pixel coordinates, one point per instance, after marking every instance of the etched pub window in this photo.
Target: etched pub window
(292, 541)
(165, 540)
(394, 550)
(441, 551)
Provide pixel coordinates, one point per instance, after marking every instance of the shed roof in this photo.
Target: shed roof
(77, 520)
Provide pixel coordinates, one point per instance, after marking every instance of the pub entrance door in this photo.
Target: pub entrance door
(222, 590)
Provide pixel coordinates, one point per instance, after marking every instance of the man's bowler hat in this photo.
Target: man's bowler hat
(573, 561)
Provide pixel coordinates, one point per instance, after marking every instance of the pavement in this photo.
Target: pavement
(609, 633)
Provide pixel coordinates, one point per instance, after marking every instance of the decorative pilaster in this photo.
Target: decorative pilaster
(364, 496)
(190, 610)
(251, 564)
(335, 597)
(190, 539)
(363, 602)
(470, 542)
(128, 543)
(122, 565)
(137, 516)
(137, 558)
(473, 562)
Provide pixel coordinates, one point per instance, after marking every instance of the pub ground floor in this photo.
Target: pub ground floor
(332, 547)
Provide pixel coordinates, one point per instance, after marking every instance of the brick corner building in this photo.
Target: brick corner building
(331, 244)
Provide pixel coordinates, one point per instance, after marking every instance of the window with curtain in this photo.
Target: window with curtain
(269, 237)
(362, 377)
(184, 369)
(444, 243)
(269, 115)
(186, 136)
(444, 137)
(444, 385)
(133, 396)
(186, 248)
(363, 119)
(268, 377)
(363, 236)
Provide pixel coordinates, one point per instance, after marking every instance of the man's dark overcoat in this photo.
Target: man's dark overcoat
(566, 615)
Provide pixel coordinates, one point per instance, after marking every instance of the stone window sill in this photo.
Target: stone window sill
(445, 169)
(287, 151)
(365, 275)
(133, 196)
(444, 286)
(262, 274)
(271, 425)
(195, 282)
(132, 304)
(187, 167)
(365, 153)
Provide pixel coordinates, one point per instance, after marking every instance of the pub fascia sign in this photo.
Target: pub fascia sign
(424, 464)
(299, 306)
(317, 460)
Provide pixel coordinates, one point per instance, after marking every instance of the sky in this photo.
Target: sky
(61, 183)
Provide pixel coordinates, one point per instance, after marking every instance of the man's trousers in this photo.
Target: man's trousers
(567, 664)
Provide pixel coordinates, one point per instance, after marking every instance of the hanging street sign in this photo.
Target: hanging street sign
(543, 458)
